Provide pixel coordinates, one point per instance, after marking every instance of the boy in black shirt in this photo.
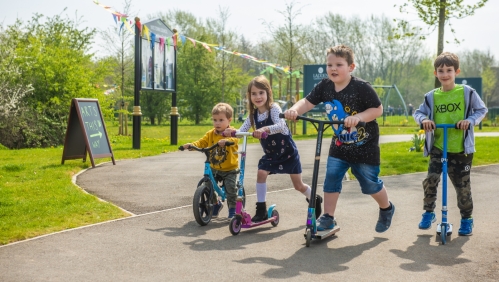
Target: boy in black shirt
(352, 100)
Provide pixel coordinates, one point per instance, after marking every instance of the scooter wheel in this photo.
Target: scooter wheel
(235, 226)
(443, 234)
(276, 221)
(308, 237)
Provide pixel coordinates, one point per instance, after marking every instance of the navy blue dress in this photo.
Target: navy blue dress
(281, 154)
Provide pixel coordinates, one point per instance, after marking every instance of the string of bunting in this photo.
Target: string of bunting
(172, 41)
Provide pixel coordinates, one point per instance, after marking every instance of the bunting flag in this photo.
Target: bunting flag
(161, 45)
(173, 40)
(153, 40)
(145, 31)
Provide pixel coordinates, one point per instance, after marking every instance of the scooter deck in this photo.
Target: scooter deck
(254, 224)
(326, 233)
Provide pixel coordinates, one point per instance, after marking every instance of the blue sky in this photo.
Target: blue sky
(478, 32)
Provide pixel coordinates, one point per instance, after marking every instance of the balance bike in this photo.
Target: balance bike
(311, 231)
(242, 219)
(208, 188)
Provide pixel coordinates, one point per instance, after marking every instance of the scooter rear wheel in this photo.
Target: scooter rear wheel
(276, 221)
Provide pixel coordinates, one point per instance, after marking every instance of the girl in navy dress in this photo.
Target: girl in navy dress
(281, 154)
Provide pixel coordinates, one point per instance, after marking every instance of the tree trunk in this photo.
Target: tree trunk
(441, 30)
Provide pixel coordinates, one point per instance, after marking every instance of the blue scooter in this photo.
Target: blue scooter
(444, 229)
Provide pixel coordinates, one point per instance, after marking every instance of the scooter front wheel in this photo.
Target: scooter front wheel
(443, 234)
(235, 226)
(308, 237)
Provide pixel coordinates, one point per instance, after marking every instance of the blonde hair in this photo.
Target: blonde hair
(223, 108)
(262, 83)
(342, 51)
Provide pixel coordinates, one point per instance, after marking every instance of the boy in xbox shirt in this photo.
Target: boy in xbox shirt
(451, 103)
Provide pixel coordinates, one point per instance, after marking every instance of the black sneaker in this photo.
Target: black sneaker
(385, 219)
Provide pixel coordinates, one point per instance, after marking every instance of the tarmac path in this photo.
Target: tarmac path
(162, 242)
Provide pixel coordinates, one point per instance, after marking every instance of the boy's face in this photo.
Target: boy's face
(338, 69)
(220, 122)
(447, 76)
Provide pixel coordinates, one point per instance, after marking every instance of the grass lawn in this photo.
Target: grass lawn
(38, 197)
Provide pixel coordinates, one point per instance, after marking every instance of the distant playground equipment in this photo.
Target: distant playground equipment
(388, 109)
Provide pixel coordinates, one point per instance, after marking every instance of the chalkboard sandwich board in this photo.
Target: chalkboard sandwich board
(86, 132)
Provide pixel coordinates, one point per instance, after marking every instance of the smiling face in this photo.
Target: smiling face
(259, 98)
(338, 70)
(447, 76)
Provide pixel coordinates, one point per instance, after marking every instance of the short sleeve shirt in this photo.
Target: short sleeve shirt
(354, 144)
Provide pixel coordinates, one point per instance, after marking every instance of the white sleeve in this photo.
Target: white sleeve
(279, 125)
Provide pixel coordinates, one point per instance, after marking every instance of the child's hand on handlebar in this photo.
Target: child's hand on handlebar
(428, 125)
(463, 124)
(290, 114)
(187, 145)
(260, 133)
(221, 143)
(351, 121)
(228, 132)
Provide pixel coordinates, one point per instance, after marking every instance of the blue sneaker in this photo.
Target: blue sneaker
(217, 208)
(466, 228)
(427, 219)
(232, 212)
(326, 222)
(385, 219)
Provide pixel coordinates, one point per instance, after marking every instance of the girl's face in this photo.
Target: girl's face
(259, 98)
(338, 69)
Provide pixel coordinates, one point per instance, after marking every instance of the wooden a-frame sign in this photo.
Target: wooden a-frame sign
(86, 132)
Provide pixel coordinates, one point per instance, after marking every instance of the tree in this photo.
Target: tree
(438, 13)
(118, 41)
(289, 39)
(12, 89)
(54, 57)
(489, 84)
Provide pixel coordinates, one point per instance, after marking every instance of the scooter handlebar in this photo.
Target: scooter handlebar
(237, 134)
(361, 123)
(445, 125)
(227, 143)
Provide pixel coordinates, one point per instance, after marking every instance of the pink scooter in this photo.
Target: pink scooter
(242, 219)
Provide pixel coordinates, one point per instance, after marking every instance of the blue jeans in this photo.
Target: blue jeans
(366, 174)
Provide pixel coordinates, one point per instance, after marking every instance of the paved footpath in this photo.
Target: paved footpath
(162, 242)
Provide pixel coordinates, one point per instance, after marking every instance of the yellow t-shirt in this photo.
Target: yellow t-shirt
(221, 158)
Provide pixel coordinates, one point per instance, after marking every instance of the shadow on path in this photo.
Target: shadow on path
(320, 260)
(422, 254)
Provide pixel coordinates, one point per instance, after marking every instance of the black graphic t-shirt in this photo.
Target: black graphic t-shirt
(355, 144)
